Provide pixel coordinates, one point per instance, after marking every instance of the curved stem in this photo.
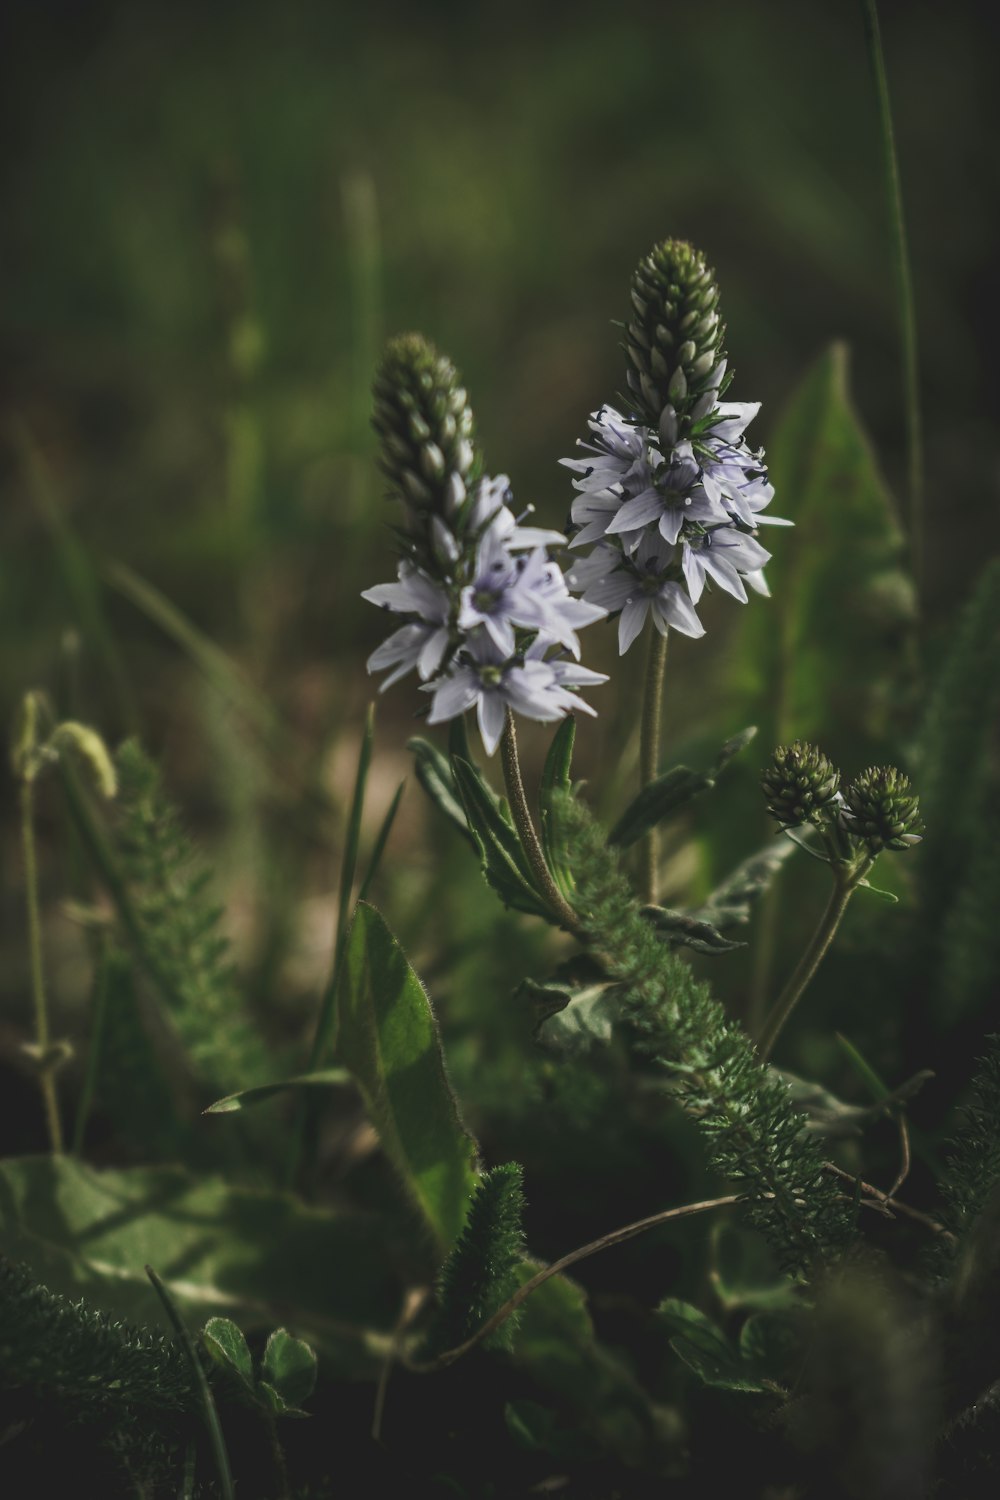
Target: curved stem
(46, 1077)
(904, 289)
(606, 1242)
(844, 882)
(526, 830)
(649, 753)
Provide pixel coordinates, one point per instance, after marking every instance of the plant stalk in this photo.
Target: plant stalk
(46, 1077)
(526, 831)
(649, 754)
(904, 291)
(845, 879)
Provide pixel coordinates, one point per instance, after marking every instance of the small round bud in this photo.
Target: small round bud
(799, 783)
(674, 339)
(881, 810)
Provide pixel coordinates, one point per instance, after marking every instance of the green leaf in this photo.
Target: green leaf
(685, 930)
(536, 1428)
(224, 1342)
(671, 791)
(504, 865)
(435, 775)
(254, 1257)
(771, 1346)
(841, 596)
(276, 1403)
(388, 1038)
(704, 1348)
(744, 1272)
(732, 902)
(555, 781)
(289, 1365)
(249, 1098)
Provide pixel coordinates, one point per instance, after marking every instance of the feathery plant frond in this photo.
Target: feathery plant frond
(70, 1352)
(180, 928)
(480, 1273)
(973, 1161)
(754, 1136)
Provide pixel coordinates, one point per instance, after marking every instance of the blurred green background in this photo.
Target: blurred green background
(213, 215)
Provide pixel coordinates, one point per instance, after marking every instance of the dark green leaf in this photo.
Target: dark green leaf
(381, 839)
(224, 1342)
(685, 930)
(503, 861)
(744, 1272)
(731, 903)
(388, 1038)
(289, 1365)
(671, 791)
(248, 1098)
(276, 1403)
(435, 776)
(252, 1256)
(704, 1347)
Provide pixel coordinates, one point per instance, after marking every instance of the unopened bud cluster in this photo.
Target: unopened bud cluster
(881, 809)
(799, 784)
(878, 810)
(674, 340)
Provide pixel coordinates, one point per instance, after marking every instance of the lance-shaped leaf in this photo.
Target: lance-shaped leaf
(731, 903)
(671, 791)
(685, 930)
(323, 1078)
(437, 779)
(840, 595)
(387, 1036)
(503, 861)
(705, 1349)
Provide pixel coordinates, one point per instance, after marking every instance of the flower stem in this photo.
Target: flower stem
(904, 289)
(845, 879)
(46, 1077)
(649, 753)
(526, 831)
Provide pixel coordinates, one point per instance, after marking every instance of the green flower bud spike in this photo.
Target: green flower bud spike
(423, 418)
(798, 784)
(881, 810)
(674, 340)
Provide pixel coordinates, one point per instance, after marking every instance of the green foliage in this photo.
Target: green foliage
(704, 1348)
(671, 791)
(91, 1360)
(179, 928)
(480, 1273)
(972, 1169)
(287, 1373)
(556, 779)
(223, 1251)
(840, 595)
(387, 1037)
(753, 1135)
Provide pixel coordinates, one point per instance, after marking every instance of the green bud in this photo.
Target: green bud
(881, 810)
(27, 737)
(91, 749)
(674, 341)
(798, 784)
(423, 418)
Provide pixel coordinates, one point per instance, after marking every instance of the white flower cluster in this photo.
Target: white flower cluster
(668, 514)
(492, 627)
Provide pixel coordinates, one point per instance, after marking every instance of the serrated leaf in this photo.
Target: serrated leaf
(771, 1346)
(555, 782)
(685, 930)
(671, 791)
(276, 1403)
(434, 774)
(503, 862)
(387, 1036)
(704, 1348)
(224, 1343)
(289, 1366)
(840, 593)
(255, 1257)
(249, 1098)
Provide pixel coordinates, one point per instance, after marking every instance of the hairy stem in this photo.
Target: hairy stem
(649, 753)
(46, 1077)
(526, 831)
(904, 288)
(606, 1242)
(844, 883)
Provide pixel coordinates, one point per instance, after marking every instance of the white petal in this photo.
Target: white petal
(633, 618)
(491, 715)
